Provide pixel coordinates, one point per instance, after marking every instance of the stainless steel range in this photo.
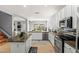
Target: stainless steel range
(59, 45)
(59, 42)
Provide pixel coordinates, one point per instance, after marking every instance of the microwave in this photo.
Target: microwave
(66, 22)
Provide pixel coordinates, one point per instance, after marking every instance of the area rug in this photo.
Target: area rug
(33, 50)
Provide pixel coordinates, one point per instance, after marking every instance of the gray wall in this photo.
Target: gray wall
(6, 22)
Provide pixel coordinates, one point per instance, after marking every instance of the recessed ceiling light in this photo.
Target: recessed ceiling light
(25, 6)
(36, 12)
(45, 5)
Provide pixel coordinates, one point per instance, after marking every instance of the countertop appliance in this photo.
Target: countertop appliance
(66, 22)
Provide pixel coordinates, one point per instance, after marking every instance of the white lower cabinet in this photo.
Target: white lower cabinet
(51, 38)
(17, 47)
(28, 44)
(21, 47)
(69, 49)
(37, 36)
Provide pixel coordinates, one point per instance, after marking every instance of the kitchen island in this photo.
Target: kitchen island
(16, 46)
(38, 36)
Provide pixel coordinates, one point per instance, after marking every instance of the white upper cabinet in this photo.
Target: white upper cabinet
(68, 11)
(62, 14)
(74, 15)
(58, 18)
(56, 21)
(52, 23)
(77, 10)
(65, 12)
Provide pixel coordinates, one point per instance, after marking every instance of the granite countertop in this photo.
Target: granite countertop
(71, 43)
(37, 31)
(16, 39)
(53, 33)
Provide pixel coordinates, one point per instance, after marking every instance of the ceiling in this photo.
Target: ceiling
(32, 11)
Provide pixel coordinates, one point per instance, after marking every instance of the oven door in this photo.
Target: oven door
(58, 45)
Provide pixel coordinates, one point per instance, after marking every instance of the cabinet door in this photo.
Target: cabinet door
(14, 47)
(62, 12)
(17, 47)
(21, 47)
(57, 18)
(69, 11)
(74, 15)
(28, 44)
(51, 38)
(36, 36)
(69, 49)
